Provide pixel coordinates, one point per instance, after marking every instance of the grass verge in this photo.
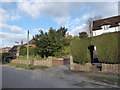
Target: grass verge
(24, 66)
(106, 79)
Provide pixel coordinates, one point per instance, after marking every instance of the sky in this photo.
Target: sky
(17, 17)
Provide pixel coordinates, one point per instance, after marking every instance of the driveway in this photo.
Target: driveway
(55, 77)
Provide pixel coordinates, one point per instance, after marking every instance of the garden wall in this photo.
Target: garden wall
(49, 62)
(88, 67)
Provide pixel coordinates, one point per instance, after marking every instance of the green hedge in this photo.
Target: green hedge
(2, 55)
(107, 48)
(79, 51)
(32, 51)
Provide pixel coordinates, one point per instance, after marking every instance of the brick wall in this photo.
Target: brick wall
(106, 68)
(57, 62)
(49, 62)
(111, 68)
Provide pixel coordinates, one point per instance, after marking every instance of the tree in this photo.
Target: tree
(23, 50)
(83, 35)
(90, 24)
(51, 43)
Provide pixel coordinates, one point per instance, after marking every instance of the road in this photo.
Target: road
(57, 77)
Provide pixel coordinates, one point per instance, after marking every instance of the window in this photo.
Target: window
(119, 23)
(105, 27)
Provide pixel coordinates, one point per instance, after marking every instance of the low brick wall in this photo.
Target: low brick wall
(57, 62)
(111, 68)
(20, 61)
(47, 63)
(106, 68)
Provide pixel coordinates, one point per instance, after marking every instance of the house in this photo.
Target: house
(30, 44)
(14, 51)
(102, 26)
(5, 50)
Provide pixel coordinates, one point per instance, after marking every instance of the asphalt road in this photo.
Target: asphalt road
(48, 78)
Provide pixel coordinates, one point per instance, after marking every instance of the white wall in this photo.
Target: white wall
(99, 32)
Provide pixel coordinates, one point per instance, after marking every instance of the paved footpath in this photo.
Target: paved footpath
(56, 77)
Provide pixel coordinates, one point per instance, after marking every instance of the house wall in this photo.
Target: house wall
(99, 32)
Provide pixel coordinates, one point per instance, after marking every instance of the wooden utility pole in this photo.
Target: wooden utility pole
(28, 48)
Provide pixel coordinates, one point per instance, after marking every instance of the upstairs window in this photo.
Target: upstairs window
(119, 23)
(105, 27)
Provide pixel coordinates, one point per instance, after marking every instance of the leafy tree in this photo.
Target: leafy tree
(83, 35)
(32, 51)
(23, 50)
(51, 43)
(90, 24)
(76, 38)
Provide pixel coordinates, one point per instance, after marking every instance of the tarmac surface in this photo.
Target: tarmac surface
(55, 77)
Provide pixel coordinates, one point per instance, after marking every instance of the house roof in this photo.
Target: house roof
(112, 21)
(14, 48)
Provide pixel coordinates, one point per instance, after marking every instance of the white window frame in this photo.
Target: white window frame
(105, 27)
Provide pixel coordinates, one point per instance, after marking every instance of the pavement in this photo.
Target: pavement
(55, 77)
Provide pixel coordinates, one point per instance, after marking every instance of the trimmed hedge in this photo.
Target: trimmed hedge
(79, 51)
(32, 51)
(107, 48)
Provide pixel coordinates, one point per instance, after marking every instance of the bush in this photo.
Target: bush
(32, 51)
(79, 51)
(107, 48)
(66, 50)
(2, 55)
(37, 57)
(23, 51)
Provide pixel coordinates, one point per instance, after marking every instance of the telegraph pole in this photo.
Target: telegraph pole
(28, 48)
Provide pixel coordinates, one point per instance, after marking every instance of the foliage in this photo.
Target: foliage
(76, 38)
(51, 43)
(83, 35)
(2, 55)
(37, 57)
(66, 50)
(114, 80)
(79, 51)
(23, 50)
(107, 48)
(32, 51)
(24, 66)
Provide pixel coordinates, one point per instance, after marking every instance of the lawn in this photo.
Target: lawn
(24, 66)
(106, 79)
(30, 57)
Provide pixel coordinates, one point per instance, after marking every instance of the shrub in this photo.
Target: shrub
(79, 51)
(107, 48)
(32, 51)
(23, 50)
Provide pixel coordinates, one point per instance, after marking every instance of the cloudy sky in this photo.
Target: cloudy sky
(18, 17)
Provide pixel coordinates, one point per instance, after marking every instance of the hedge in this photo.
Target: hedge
(79, 51)
(107, 48)
(32, 51)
